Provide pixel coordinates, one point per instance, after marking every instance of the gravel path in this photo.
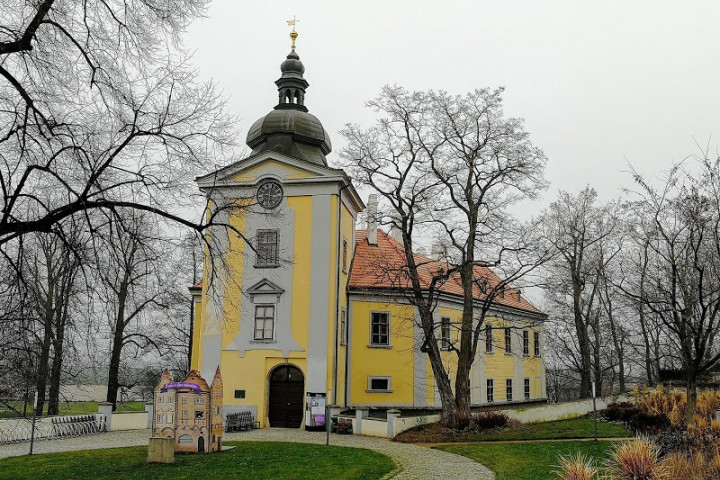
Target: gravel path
(416, 462)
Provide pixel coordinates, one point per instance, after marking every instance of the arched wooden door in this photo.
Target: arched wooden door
(201, 444)
(286, 406)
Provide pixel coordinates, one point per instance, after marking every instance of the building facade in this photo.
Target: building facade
(294, 304)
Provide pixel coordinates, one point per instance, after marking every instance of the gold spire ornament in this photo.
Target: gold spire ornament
(293, 34)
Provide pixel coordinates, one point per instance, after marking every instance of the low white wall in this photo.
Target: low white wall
(559, 411)
(406, 423)
(129, 421)
(373, 427)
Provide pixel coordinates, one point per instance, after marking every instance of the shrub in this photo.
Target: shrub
(620, 412)
(636, 460)
(649, 422)
(487, 420)
(576, 467)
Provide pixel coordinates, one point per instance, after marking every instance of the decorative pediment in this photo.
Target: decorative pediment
(254, 168)
(264, 287)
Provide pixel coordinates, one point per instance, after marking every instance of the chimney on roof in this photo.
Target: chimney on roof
(519, 295)
(372, 214)
(395, 232)
(437, 251)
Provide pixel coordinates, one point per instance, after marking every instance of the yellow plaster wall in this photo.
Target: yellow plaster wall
(198, 329)
(257, 171)
(347, 229)
(395, 362)
(532, 366)
(498, 365)
(332, 276)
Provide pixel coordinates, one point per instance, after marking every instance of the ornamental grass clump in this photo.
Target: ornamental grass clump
(636, 460)
(576, 467)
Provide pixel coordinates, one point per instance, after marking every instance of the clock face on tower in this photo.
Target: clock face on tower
(269, 194)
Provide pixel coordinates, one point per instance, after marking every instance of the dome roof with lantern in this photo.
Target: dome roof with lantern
(289, 128)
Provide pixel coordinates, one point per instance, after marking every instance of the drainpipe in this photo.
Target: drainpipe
(337, 293)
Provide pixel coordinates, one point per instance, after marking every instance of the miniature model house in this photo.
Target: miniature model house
(190, 412)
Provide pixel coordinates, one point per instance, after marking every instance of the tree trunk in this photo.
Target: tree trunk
(43, 364)
(691, 393)
(117, 346)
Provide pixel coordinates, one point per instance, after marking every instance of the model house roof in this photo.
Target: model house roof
(382, 267)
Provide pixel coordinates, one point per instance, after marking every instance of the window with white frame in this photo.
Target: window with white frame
(508, 390)
(445, 333)
(490, 390)
(526, 343)
(527, 388)
(264, 322)
(267, 248)
(537, 343)
(488, 338)
(343, 327)
(379, 384)
(508, 340)
(380, 329)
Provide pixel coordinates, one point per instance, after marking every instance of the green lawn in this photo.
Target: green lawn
(582, 427)
(73, 408)
(249, 460)
(527, 461)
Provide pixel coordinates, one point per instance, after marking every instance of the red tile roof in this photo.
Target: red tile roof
(381, 267)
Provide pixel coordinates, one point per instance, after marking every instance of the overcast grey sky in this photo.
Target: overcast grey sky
(599, 84)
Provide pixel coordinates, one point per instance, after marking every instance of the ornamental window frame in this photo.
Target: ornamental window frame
(488, 338)
(536, 349)
(508, 340)
(445, 340)
(509, 389)
(526, 343)
(490, 390)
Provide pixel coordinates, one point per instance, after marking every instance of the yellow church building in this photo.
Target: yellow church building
(294, 305)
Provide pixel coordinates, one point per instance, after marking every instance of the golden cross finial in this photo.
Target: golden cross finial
(293, 34)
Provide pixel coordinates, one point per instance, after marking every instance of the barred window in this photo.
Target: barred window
(508, 341)
(267, 248)
(526, 342)
(264, 322)
(490, 390)
(508, 390)
(488, 338)
(380, 328)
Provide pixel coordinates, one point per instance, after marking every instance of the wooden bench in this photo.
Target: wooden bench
(240, 421)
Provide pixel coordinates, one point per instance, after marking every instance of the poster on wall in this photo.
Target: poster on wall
(315, 411)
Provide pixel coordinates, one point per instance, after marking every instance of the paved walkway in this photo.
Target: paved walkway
(416, 462)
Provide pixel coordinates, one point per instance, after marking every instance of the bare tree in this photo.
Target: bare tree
(577, 228)
(451, 165)
(130, 273)
(99, 105)
(682, 277)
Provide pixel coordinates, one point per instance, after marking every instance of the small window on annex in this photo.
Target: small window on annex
(488, 338)
(264, 320)
(490, 390)
(508, 390)
(380, 328)
(537, 343)
(508, 341)
(445, 333)
(379, 384)
(267, 248)
(343, 327)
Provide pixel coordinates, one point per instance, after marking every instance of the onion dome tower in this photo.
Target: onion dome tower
(289, 129)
